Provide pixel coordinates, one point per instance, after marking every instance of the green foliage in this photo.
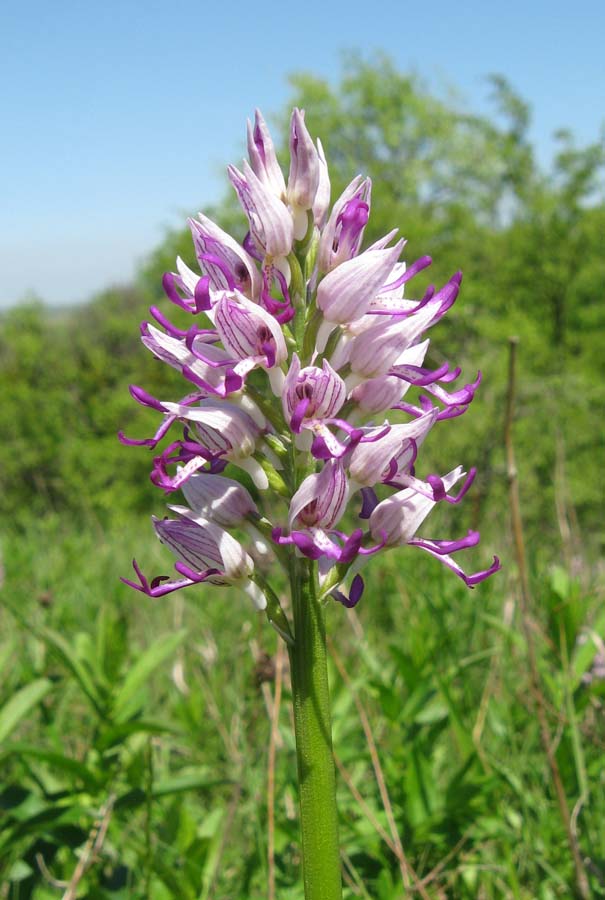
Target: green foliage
(93, 769)
(152, 720)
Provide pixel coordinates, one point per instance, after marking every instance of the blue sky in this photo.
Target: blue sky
(119, 117)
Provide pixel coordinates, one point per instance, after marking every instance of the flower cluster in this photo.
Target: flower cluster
(301, 351)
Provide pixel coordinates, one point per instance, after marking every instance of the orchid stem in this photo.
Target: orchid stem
(313, 731)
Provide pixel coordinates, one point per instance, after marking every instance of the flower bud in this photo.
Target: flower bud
(263, 159)
(397, 518)
(375, 350)
(270, 221)
(303, 179)
(378, 394)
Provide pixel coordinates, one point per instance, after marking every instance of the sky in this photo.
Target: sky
(119, 118)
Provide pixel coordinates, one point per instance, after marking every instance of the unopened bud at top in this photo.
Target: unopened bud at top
(263, 159)
(303, 179)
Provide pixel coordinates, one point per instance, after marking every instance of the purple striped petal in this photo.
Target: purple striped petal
(270, 221)
(321, 499)
(323, 390)
(382, 459)
(202, 545)
(345, 293)
(220, 499)
(225, 262)
(248, 331)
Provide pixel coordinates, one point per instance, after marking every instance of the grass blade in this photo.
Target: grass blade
(20, 705)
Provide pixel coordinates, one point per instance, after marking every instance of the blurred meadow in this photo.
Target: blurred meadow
(146, 746)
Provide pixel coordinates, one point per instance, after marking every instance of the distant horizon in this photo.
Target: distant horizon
(120, 123)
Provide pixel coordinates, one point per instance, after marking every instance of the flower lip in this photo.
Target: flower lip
(355, 593)
(399, 516)
(161, 584)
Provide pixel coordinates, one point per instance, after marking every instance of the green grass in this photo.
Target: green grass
(151, 719)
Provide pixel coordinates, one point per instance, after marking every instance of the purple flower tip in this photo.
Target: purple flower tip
(355, 592)
(144, 398)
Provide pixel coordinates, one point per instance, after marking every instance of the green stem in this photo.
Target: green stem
(313, 730)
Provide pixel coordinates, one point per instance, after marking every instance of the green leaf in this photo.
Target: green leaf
(55, 760)
(178, 784)
(69, 658)
(464, 739)
(19, 871)
(125, 701)
(213, 826)
(434, 711)
(20, 704)
(420, 787)
(119, 733)
(560, 582)
(6, 652)
(508, 631)
(183, 783)
(46, 821)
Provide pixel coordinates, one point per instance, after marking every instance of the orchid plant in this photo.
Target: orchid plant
(296, 444)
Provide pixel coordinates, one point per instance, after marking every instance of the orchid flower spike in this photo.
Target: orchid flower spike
(310, 391)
